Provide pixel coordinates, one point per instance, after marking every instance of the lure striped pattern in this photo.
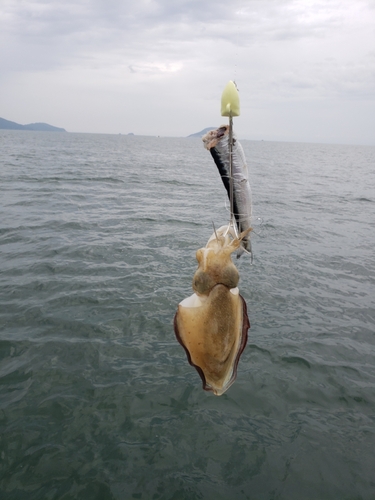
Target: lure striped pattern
(217, 142)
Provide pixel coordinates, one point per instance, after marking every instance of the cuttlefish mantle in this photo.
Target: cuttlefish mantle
(212, 324)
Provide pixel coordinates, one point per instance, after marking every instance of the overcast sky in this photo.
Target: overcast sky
(305, 69)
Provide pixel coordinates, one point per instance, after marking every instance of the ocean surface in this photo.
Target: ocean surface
(98, 235)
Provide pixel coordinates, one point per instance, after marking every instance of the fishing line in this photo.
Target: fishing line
(231, 188)
(231, 140)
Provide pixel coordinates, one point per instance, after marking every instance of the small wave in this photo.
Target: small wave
(175, 182)
(260, 349)
(296, 359)
(363, 198)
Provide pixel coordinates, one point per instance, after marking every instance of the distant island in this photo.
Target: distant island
(202, 132)
(40, 127)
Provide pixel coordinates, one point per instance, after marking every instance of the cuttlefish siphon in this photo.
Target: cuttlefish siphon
(212, 324)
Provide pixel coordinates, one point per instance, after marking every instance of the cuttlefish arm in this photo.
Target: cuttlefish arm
(212, 324)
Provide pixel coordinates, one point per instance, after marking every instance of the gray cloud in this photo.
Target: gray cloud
(106, 57)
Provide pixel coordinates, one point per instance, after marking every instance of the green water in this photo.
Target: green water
(97, 401)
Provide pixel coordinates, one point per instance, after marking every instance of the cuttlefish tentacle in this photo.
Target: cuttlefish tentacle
(212, 323)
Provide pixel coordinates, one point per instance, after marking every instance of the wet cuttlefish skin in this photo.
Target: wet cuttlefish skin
(212, 323)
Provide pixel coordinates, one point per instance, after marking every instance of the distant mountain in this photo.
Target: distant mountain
(202, 132)
(43, 127)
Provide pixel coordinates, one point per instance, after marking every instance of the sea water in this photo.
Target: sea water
(98, 237)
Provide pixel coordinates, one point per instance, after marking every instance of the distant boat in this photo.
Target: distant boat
(40, 127)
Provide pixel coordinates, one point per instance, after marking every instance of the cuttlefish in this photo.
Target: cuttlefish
(212, 324)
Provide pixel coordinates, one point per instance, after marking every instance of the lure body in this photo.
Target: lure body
(217, 142)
